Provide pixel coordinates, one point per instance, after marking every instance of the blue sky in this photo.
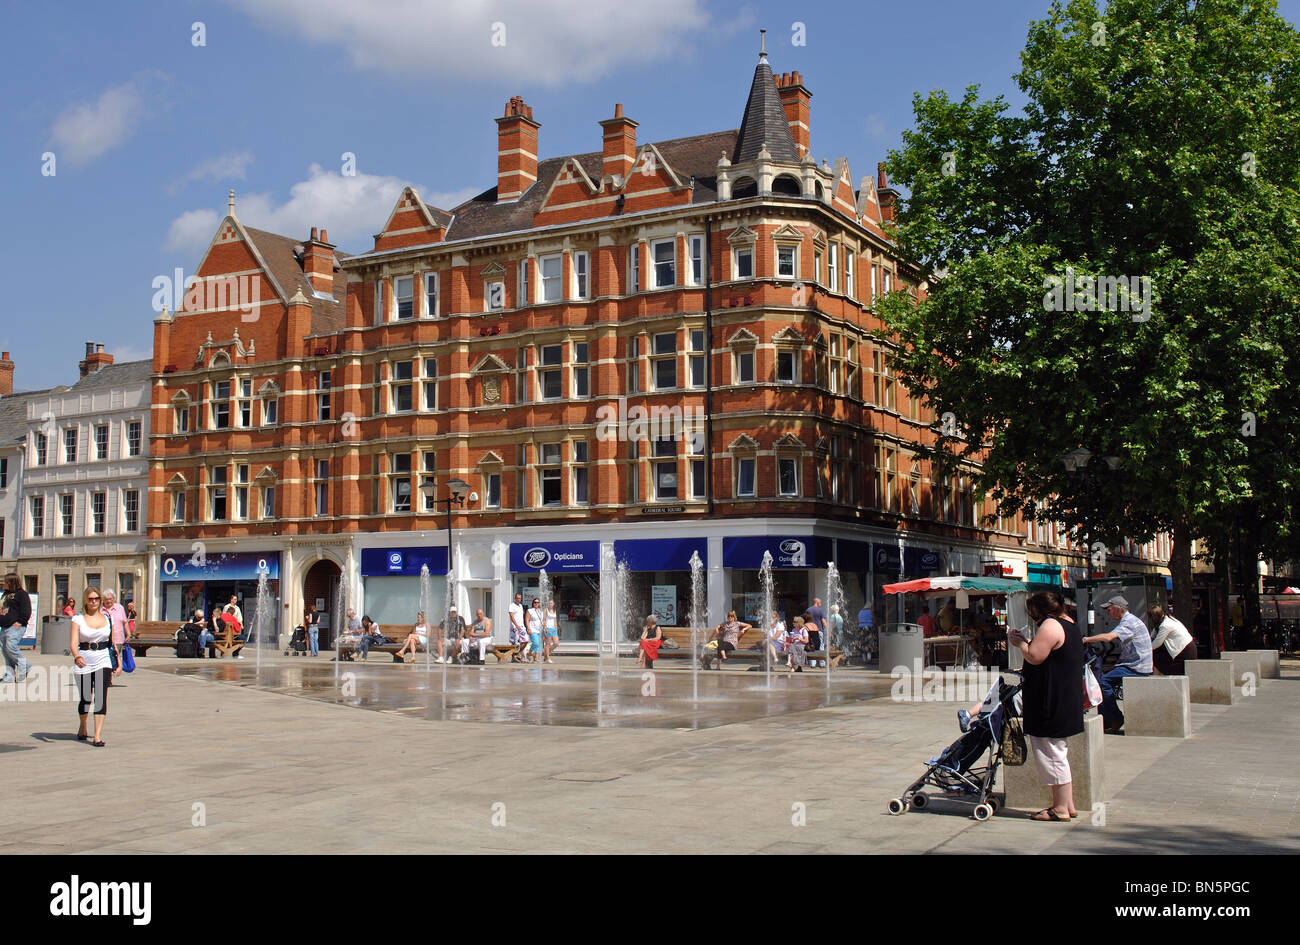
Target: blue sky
(150, 130)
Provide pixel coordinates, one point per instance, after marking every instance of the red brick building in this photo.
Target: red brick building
(633, 354)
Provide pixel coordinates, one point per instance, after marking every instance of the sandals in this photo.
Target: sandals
(98, 744)
(1051, 815)
(82, 736)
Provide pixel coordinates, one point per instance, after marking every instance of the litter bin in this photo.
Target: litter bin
(901, 644)
(56, 634)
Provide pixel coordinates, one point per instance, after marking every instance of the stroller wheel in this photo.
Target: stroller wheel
(896, 806)
(920, 801)
(983, 811)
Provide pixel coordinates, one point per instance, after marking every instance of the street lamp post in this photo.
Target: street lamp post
(458, 489)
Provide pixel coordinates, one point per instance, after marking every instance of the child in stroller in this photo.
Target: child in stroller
(962, 771)
(298, 642)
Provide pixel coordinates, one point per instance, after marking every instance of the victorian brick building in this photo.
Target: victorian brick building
(634, 355)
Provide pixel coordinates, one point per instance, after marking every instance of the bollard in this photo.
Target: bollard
(1025, 789)
(1210, 682)
(1157, 705)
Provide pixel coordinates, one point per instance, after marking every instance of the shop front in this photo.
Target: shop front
(659, 577)
(206, 581)
(573, 573)
(796, 559)
(392, 586)
(853, 560)
(893, 563)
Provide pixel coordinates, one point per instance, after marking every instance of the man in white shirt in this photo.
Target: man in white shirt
(518, 632)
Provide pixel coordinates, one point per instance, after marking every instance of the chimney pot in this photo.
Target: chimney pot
(618, 109)
(324, 235)
(313, 234)
(90, 347)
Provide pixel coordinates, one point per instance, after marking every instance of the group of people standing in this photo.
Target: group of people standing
(534, 632)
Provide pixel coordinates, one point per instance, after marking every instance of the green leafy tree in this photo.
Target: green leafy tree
(1157, 152)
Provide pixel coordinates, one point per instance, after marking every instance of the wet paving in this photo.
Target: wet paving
(582, 696)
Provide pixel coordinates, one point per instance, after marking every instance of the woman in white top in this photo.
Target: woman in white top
(416, 638)
(776, 639)
(1172, 645)
(92, 638)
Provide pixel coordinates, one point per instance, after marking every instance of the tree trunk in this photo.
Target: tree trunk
(1250, 576)
(1180, 567)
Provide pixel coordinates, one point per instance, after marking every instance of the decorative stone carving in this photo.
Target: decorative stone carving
(491, 389)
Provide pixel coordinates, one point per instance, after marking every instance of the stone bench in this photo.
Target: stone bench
(1210, 681)
(1025, 789)
(1242, 663)
(1269, 665)
(1157, 705)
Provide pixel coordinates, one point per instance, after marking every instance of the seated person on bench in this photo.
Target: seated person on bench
(205, 637)
(370, 636)
(351, 635)
(480, 634)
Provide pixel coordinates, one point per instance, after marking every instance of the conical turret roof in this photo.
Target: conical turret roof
(764, 122)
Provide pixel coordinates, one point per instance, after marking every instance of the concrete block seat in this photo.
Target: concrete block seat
(1158, 705)
(1210, 682)
(1270, 667)
(1025, 789)
(1243, 663)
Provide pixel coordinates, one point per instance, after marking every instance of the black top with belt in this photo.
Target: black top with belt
(1053, 690)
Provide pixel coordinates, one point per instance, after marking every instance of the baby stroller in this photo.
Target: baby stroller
(963, 771)
(297, 643)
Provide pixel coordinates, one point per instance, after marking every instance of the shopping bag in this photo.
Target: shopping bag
(1091, 688)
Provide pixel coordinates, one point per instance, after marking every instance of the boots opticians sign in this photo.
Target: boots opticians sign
(554, 557)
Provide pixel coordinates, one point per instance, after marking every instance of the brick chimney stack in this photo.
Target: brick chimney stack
(95, 359)
(796, 100)
(887, 195)
(516, 150)
(619, 143)
(6, 375)
(318, 261)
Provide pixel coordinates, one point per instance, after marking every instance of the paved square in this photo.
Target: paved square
(287, 768)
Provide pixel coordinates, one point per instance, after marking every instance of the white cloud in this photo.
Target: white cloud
(548, 41)
(352, 209)
(84, 131)
(222, 167)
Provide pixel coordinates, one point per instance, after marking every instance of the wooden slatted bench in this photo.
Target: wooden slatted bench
(153, 633)
(351, 650)
(748, 647)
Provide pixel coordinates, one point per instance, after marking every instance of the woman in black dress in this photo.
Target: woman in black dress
(1053, 697)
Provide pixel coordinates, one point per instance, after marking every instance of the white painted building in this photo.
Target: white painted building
(84, 484)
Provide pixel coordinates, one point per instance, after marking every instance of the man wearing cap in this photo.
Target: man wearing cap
(1134, 656)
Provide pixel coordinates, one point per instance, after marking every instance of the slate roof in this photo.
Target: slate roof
(283, 257)
(764, 122)
(126, 374)
(696, 156)
(13, 414)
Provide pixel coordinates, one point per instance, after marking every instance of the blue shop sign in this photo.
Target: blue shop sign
(660, 554)
(920, 560)
(220, 566)
(788, 551)
(405, 562)
(555, 557)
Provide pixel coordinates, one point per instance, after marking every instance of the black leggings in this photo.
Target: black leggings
(93, 687)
